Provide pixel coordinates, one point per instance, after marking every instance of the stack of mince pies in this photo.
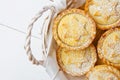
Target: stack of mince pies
(89, 40)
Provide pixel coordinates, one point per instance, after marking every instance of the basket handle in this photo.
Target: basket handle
(28, 37)
(44, 33)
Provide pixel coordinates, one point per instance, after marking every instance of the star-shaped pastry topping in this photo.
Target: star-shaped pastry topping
(107, 10)
(111, 11)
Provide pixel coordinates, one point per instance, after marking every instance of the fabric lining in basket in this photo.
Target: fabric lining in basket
(48, 44)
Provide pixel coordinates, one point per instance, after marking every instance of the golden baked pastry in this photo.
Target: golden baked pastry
(104, 72)
(109, 47)
(106, 13)
(73, 29)
(69, 77)
(76, 62)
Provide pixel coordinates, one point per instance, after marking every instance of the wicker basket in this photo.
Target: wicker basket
(48, 43)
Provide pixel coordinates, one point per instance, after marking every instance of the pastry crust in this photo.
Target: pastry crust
(105, 12)
(108, 47)
(103, 72)
(76, 62)
(73, 29)
(69, 77)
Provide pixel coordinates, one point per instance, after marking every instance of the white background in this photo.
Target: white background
(14, 63)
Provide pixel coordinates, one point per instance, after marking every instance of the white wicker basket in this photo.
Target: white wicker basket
(48, 43)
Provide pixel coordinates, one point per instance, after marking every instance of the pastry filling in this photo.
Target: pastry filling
(77, 61)
(111, 47)
(105, 12)
(75, 29)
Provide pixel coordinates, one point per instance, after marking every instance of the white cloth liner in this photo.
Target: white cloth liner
(50, 63)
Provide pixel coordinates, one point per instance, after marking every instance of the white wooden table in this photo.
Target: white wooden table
(14, 63)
